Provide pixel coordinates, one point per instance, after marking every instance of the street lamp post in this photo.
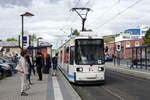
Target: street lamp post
(38, 40)
(22, 17)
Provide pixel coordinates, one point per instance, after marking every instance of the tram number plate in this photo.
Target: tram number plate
(91, 78)
(91, 69)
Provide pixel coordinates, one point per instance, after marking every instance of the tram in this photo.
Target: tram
(82, 60)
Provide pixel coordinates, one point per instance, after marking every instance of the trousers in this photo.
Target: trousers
(39, 72)
(24, 82)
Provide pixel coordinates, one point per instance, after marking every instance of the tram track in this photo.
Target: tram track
(118, 87)
(113, 93)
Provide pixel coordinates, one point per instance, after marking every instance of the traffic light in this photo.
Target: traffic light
(118, 47)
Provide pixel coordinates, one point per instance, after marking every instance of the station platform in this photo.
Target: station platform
(126, 69)
(50, 88)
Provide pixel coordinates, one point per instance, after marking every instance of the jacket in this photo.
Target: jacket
(22, 66)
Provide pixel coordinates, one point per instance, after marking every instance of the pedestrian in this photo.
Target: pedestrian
(32, 63)
(47, 65)
(114, 59)
(134, 62)
(54, 61)
(39, 65)
(22, 69)
(30, 69)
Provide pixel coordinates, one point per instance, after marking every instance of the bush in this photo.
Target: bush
(2, 76)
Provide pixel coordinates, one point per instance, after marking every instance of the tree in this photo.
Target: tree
(147, 38)
(88, 30)
(11, 39)
(75, 32)
(109, 38)
(33, 37)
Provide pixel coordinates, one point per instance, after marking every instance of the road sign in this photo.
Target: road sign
(24, 39)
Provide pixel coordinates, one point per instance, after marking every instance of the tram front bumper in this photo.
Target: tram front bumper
(90, 76)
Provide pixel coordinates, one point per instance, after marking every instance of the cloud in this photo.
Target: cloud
(53, 18)
(10, 3)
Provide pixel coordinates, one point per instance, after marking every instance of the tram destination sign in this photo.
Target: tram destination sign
(89, 42)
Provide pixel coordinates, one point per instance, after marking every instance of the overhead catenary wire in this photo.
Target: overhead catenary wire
(74, 19)
(68, 18)
(115, 16)
(80, 11)
(105, 12)
(74, 6)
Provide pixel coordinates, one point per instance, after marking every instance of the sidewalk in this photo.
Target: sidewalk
(50, 88)
(60, 89)
(123, 68)
(10, 89)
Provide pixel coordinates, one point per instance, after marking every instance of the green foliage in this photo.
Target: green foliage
(33, 37)
(147, 38)
(11, 39)
(0, 40)
(3, 76)
(88, 30)
(75, 32)
(109, 38)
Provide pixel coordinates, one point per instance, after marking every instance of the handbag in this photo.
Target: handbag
(19, 67)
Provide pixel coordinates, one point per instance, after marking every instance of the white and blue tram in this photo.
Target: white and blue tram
(82, 60)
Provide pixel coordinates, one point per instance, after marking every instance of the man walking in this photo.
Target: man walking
(39, 65)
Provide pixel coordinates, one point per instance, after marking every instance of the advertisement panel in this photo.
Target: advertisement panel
(128, 44)
(134, 31)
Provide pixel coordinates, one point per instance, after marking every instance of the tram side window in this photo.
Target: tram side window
(72, 52)
(61, 56)
(66, 56)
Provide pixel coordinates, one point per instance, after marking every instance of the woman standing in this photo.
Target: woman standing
(22, 68)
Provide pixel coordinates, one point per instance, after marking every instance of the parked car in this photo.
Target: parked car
(9, 62)
(5, 69)
(108, 58)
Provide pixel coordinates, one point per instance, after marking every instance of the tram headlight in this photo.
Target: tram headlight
(100, 68)
(79, 69)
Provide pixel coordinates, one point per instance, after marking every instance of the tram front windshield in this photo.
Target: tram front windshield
(89, 52)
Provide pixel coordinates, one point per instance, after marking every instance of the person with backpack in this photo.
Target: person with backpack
(47, 65)
(54, 61)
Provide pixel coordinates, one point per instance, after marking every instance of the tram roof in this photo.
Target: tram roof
(88, 37)
(142, 46)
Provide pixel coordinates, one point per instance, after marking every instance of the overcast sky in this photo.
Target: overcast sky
(53, 18)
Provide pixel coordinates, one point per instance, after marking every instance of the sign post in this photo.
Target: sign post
(118, 48)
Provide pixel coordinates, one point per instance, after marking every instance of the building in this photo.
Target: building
(133, 33)
(9, 48)
(128, 38)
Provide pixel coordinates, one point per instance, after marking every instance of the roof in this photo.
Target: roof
(9, 44)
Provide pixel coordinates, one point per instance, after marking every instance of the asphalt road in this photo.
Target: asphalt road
(117, 87)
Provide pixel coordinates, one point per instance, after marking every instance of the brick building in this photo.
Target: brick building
(124, 52)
